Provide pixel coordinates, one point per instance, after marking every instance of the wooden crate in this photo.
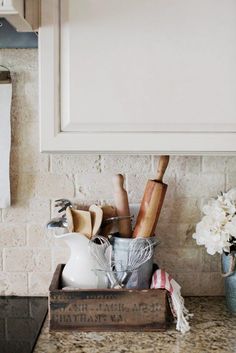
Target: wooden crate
(106, 309)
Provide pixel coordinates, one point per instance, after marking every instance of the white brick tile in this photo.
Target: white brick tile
(180, 210)
(39, 283)
(175, 235)
(12, 235)
(53, 186)
(27, 260)
(200, 185)
(231, 164)
(36, 210)
(126, 164)
(179, 165)
(214, 164)
(204, 283)
(179, 259)
(75, 164)
(37, 236)
(13, 283)
(93, 187)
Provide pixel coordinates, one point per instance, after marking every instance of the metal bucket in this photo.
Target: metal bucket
(140, 278)
(229, 273)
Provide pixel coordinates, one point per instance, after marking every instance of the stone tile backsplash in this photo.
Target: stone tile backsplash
(29, 254)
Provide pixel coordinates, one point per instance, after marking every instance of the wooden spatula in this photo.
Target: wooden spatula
(69, 218)
(96, 216)
(152, 202)
(79, 221)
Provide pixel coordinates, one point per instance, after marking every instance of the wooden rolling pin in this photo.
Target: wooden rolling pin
(152, 202)
(122, 206)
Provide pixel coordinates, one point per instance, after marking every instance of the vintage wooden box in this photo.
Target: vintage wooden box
(106, 310)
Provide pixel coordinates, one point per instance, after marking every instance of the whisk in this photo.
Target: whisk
(101, 249)
(139, 252)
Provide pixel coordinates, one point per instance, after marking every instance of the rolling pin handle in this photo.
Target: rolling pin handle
(118, 182)
(163, 163)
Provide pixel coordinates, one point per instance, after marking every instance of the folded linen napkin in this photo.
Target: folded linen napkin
(162, 279)
(5, 141)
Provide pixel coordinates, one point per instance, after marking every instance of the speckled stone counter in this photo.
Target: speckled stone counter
(213, 329)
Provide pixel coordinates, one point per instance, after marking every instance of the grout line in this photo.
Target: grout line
(50, 163)
(50, 206)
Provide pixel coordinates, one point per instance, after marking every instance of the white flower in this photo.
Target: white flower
(230, 227)
(218, 225)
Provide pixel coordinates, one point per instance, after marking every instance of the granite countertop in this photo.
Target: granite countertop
(213, 329)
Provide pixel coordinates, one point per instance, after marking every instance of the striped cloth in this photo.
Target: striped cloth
(163, 280)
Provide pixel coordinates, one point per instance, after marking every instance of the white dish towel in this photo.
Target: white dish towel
(5, 142)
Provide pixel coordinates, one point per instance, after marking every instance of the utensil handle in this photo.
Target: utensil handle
(162, 165)
(122, 205)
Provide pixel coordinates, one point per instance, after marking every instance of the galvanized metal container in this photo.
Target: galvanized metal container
(140, 278)
(230, 282)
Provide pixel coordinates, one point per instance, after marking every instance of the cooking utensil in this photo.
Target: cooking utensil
(122, 205)
(140, 278)
(140, 250)
(70, 221)
(57, 222)
(96, 217)
(152, 202)
(63, 203)
(108, 212)
(101, 249)
(115, 219)
(79, 221)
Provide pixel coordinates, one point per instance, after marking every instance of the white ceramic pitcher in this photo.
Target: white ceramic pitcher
(78, 272)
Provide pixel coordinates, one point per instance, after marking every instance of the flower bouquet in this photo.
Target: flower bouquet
(217, 232)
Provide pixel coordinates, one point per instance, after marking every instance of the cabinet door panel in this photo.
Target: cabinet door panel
(148, 65)
(147, 76)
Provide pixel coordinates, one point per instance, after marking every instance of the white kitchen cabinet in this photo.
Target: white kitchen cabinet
(24, 15)
(142, 76)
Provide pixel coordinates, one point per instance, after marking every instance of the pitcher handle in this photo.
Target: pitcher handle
(231, 266)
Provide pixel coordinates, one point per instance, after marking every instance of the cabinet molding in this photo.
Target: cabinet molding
(60, 133)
